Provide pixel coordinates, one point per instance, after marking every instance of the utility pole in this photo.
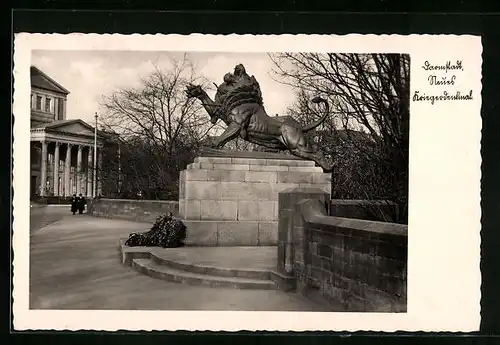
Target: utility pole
(119, 167)
(94, 184)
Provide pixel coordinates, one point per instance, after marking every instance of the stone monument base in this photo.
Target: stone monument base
(229, 198)
(231, 232)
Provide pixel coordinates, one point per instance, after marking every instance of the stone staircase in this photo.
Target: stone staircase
(186, 276)
(205, 266)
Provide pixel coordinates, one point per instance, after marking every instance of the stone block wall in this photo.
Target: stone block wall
(51, 200)
(354, 265)
(224, 188)
(286, 237)
(134, 210)
(234, 200)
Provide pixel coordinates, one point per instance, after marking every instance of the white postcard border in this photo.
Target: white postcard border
(444, 210)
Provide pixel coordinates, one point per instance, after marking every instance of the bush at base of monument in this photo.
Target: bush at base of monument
(167, 232)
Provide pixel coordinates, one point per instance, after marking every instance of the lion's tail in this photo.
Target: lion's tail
(322, 119)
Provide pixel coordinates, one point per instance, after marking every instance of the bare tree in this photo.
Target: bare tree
(368, 133)
(159, 128)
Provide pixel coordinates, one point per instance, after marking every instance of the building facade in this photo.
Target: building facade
(61, 150)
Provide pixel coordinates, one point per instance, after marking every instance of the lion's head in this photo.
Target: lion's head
(193, 91)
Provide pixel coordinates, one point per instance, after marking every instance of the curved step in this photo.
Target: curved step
(164, 272)
(212, 270)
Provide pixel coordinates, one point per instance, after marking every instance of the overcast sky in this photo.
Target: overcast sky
(89, 75)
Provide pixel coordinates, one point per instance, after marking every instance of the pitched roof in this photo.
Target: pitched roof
(354, 135)
(43, 81)
(61, 123)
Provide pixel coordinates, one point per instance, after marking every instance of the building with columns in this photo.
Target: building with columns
(62, 150)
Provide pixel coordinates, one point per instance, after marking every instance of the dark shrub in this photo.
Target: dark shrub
(167, 232)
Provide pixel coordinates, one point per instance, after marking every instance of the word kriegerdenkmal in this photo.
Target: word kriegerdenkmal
(444, 96)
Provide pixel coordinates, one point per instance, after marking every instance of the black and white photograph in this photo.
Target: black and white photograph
(237, 181)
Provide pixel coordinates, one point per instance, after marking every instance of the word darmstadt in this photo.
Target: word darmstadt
(448, 66)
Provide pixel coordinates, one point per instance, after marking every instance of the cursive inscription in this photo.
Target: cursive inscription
(444, 96)
(448, 66)
(442, 76)
(434, 80)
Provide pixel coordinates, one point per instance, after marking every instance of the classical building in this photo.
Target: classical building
(62, 157)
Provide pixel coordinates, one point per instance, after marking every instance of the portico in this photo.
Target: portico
(62, 159)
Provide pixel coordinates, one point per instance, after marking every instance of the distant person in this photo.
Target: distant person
(74, 204)
(81, 203)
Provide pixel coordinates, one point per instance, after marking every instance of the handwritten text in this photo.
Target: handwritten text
(438, 79)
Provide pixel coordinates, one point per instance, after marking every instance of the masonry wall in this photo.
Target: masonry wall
(233, 201)
(354, 265)
(134, 210)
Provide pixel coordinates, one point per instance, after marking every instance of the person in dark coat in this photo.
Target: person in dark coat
(74, 204)
(81, 203)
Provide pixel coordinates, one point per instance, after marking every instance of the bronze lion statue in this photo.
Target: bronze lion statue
(238, 103)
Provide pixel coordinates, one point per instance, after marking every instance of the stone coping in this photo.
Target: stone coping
(308, 190)
(362, 202)
(139, 200)
(314, 212)
(246, 154)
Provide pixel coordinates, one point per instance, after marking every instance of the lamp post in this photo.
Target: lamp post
(94, 184)
(119, 167)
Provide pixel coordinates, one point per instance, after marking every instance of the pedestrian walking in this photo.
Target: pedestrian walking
(81, 203)
(74, 204)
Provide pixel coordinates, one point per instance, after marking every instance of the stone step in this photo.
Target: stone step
(152, 269)
(211, 270)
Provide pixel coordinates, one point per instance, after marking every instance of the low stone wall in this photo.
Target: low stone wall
(51, 200)
(354, 265)
(385, 211)
(135, 210)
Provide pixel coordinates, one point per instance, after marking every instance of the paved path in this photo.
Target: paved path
(74, 264)
(43, 215)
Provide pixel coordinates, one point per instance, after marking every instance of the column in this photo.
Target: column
(84, 176)
(99, 175)
(67, 171)
(43, 169)
(56, 169)
(89, 173)
(63, 117)
(56, 108)
(79, 170)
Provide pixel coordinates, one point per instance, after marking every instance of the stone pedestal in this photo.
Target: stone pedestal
(232, 199)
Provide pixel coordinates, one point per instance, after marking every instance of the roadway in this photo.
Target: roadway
(43, 215)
